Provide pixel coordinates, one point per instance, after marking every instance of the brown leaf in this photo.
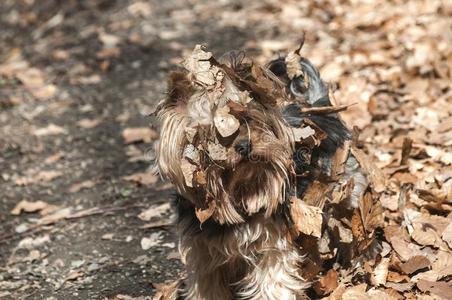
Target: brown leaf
(88, 123)
(87, 184)
(376, 176)
(140, 134)
(415, 263)
(166, 291)
(74, 275)
(447, 235)
(188, 170)
(28, 206)
(204, 214)
(307, 219)
(51, 129)
(380, 272)
(327, 283)
(441, 289)
(144, 178)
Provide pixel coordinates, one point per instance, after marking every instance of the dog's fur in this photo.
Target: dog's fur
(248, 249)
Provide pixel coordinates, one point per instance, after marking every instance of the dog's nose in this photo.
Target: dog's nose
(243, 147)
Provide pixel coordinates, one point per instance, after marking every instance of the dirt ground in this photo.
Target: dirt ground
(78, 80)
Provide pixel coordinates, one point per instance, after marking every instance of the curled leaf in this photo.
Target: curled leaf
(225, 123)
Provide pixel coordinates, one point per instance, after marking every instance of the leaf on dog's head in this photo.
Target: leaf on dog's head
(307, 219)
(216, 151)
(225, 123)
(204, 214)
(245, 97)
(293, 66)
(199, 66)
(302, 133)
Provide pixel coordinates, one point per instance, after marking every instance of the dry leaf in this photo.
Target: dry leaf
(302, 133)
(447, 235)
(204, 214)
(166, 291)
(380, 272)
(355, 293)
(292, 61)
(141, 134)
(188, 170)
(153, 240)
(216, 151)
(441, 289)
(28, 206)
(199, 66)
(225, 123)
(328, 283)
(307, 219)
(144, 178)
(88, 123)
(154, 211)
(74, 275)
(415, 263)
(87, 184)
(376, 176)
(51, 129)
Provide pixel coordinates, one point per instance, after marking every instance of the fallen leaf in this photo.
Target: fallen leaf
(88, 123)
(447, 235)
(87, 184)
(153, 240)
(144, 178)
(441, 289)
(74, 275)
(141, 134)
(307, 219)
(28, 206)
(415, 263)
(375, 174)
(166, 291)
(155, 211)
(380, 272)
(51, 129)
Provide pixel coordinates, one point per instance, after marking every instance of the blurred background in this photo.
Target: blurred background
(81, 216)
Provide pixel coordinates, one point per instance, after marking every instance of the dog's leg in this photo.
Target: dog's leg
(275, 275)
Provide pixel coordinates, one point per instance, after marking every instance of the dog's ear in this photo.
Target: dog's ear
(180, 87)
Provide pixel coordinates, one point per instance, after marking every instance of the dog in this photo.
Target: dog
(243, 146)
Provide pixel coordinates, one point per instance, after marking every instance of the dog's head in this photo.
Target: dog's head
(224, 143)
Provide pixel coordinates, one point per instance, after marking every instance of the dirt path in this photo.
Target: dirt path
(75, 74)
(93, 96)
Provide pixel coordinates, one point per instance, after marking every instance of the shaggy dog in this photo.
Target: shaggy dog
(244, 145)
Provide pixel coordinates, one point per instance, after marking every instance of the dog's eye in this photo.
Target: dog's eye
(298, 86)
(243, 147)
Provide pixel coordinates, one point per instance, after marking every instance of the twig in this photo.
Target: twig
(325, 110)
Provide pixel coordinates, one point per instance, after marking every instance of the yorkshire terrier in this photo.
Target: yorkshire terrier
(228, 143)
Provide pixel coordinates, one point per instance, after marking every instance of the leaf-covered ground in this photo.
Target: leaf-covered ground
(82, 218)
